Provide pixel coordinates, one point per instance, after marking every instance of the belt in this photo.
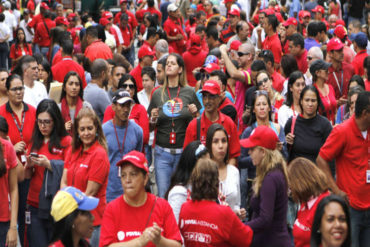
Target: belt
(171, 150)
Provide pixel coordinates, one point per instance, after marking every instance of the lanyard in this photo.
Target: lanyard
(293, 109)
(20, 128)
(124, 138)
(173, 105)
(341, 83)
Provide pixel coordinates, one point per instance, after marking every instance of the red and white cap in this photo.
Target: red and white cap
(135, 158)
(44, 6)
(234, 12)
(107, 14)
(234, 46)
(261, 136)
(319, 8)
(212, 87)
(145, 51)
(334, 44)
(61, 20)
(210, 67)
(290, 21)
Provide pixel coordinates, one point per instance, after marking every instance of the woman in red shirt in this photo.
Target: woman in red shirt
(87, 165)
(50, 141)
(9, 187)
(20, 47)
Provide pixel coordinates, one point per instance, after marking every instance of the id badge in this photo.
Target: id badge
(28, 217)
(23, 158)
(368, 176)
(173, 137)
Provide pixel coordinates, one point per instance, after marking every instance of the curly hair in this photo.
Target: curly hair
(204, 180)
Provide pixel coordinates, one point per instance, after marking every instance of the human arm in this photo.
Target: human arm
(259, 37)
(231, 69)
(11, 238)
(176, 197)
(240, 234)
(63, 181)
(284, 150)
(245, 161)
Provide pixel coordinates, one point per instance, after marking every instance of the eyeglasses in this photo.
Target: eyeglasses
(130, 86)
(15, 89)
(261, 82)
(260, 92)
(240, 54)
(45, 122)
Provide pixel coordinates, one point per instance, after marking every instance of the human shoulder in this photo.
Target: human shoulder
(177, 189)
(233, 170)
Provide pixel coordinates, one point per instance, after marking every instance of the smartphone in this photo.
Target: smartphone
(34, 155)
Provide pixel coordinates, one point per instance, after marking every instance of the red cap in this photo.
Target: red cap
(107, 14)
(256, 20)
(277, 8)
(319, 8)
(195, 39)
(303, 14)
(123, 1)
(235, 45)
(340, 22)
(279, 17)
(209, 68)
(104, 21)
(340, 32)
(228, 1)
(135, 158)
(211, 87)
(234, 12)
(291, 21)
(334, 44)
(61, 20)
(44, 6)
(71, 16)
(145, 50)
(262, 136)
(268, 11)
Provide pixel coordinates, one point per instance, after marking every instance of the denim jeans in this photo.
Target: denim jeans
(39, 232)
(243, 187)
(95, 237)
(4, 227)
(4, 50)
(360, 227)
(148, 154)
(164, 164)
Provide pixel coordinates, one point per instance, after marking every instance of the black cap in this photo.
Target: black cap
(317, 65)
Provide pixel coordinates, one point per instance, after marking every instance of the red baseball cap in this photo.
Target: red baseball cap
(319, 8)
(71, 16)
(268, 11)
(44, 6)
(209, 68)
(340, 32)
(334, 44)
(145, 51)
(234, 12)
(135, 158)
(303, 14)
(228, 1)
(340, 22)
(104, 21)
(235, 45)
(61, 20)
(262, 136)
(195, 39)
(123, 1)
(211, 87)
(290, 21)
(107, 14)
(279, 17)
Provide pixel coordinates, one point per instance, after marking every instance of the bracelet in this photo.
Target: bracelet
(13, 227)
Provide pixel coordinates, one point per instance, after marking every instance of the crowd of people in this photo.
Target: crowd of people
(185, 123)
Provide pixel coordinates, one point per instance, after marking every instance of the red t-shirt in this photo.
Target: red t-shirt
(138, 113)
(122, 222)
(127, 35)
(131, 19)
(91, 165)
(303, 223)
(206, 223)
(205, 123)
(136, 73)
(302, 62)
(193, 60)
(330, 104)
(174, 28)
(42, 35)
(19, 52)
(38, 175)
(358, 62)
(35, 20)
(98, 49)
(277, 81)
(273, 43)
(57, 57)
(66, 65)
(10, 160)
(350, 150)
(346, 72)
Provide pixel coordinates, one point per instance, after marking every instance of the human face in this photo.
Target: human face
(45, 123)
(261, 107)
(122, 111)
(160, 74)
(294, 50)
(83, 225)
(87, 131)
(172, 67)
(202, 20)
(129, 86)
(261, 19)
(352, 84)
(16, 91)
(310, 58)
(133, 180)
(72, 87)
(306, 20)
(234, 19)
(219, 146)
(333, 228)
(352, 104)
(244, 32)
(118, 72)
(263, 82)
(291, 29)
(210, 102)
(147, 61)
(3, 76)
(148, 83)
(59, 11)
(32, 72)
(256, 154)
(351, 29)
(297, 88)
(322, 74)
(20, 35)
(337, 55)
(243, 59)
(43, 74)
(309, 104)
(207, 6)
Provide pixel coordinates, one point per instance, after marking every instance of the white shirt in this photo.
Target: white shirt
(254, 36)
(23, 24)
(143, 99)
(11, 21)
(4, 30)
(36, 94)
(176, 197)
(285, 112)
(230, 187)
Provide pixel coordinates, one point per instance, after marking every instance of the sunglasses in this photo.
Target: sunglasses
(261, 82)
(130, 86)
(240, 54)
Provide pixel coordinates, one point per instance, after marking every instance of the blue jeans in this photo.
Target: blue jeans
(164, 165)
(94, 240)
(148, 154)
(39, 232)
(4, 227)
(360, 227)
(243, 187)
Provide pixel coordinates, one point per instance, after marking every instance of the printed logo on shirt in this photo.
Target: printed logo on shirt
(201, 223)
(84, 166)
(56, 151)
(120, 235)
(301, 226)
(198, 237)
(173, 107)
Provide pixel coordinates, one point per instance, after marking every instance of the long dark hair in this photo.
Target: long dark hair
(46, 65)
(59, 130)
(210, 133)
(257, 94)
(319, 103)
(188, 159)
(292, 78)
(127, 77)
(320, 210)
(63, 229)
(17, 41)
(3, 128)
(66, 78)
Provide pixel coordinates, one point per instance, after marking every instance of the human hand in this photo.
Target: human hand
(259, 31)
(279, 146)
(68, 125)
(155, 234)
(154, 115)
(342, 101)
(223, 49)
(179, 36)
(11, 237)
(42, 160)
(289, 138)
(192, 109)
(20, 147)
(242, 213)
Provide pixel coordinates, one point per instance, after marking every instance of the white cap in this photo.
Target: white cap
(172, 7)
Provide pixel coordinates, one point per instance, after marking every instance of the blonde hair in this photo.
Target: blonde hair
(272, 160)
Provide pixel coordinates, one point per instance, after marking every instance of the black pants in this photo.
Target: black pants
(4, 50)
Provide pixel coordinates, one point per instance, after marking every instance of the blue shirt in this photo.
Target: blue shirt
(295, 8)
(309, 43)
(133, 141)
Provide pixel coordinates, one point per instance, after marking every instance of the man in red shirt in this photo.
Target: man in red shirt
(42, 33)
(291, 28)
(67, 64)
(234, 18)
(340, 72)
(359, 44)
(128, 38)
(37, 18)
(272, 41)
(96, 48)
(131, 17)
(140, 12)
(146, 56)
(296, 48)
(62, 22)
(349, 145)
(176, 37)
(211, 100)
(277, 78)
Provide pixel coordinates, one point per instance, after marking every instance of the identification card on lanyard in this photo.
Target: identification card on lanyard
(119, 145)
(173, 133)
(20, 129)
(340, 87)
